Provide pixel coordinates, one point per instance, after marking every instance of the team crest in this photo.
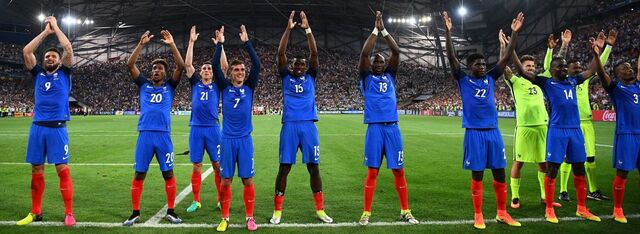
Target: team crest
(241, 91)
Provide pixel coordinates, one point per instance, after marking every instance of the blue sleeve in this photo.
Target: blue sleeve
(283, 72)
(194, 79)
(141, 80)
(173, 83)
(540, 81)
(611, 87)
(459, 74)
(495, 72)
(254, 75)
(391, 71)
(364, 74)
(35, 70)
(218, 74)
(65, 69)
(313, 72)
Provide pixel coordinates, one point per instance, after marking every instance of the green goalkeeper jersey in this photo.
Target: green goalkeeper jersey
(529, 100)
(582, 90)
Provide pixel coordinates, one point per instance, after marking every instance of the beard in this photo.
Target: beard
(51, 67)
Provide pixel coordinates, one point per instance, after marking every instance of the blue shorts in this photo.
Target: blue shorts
(152, 143)
(202, 139)
(483, 149)
(383, 139)
(299, 135)
(626, 148)
(567, 142)
(236, 151)
(52, 143)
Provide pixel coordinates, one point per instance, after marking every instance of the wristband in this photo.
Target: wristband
(308, 30)
(385, 33)
(375, 31)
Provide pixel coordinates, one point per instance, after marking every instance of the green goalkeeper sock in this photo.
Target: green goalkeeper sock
(565, 171)
(541, 176)
(515, 187)
(591, 175)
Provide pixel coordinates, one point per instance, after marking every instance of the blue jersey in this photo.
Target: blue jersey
(299, 96)
(155, 104)
(380, 102)
(562, 100)
(237, 102)
(478, 100)
(204, 102)
(51, 92)
(625, 99)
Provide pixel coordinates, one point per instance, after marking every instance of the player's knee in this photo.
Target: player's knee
(284, 169)
(578, 169)
(542, 167)
(591, 160)
(517, 165)
(622, 174)
(197, 167)
(140, 175)
(477, 175)
(313, 169)
(398, 172)
(216, 166)
(372, 173)
(552, 169)
(167, 175)
(498, 175)
(247, 181)
(37, 169)
(226, 181)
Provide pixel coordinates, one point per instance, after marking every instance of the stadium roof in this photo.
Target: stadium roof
(340, 24)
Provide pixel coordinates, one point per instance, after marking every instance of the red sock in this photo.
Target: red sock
(318, 198)
(501, 195)
(618, 191)
(369, 188)
(66, 188)
(476, 196)
(196, 182)
(136, 193)
(401, 187)
(225, 202)
(170, 189)
(549, 191)
(277, 201)
(37, 189)
(581, 190)
(218, 181)
(249, 199)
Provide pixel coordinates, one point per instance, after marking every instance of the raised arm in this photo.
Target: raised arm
(610, 41)
(566, 39)
(313, 49)
(218, 40)
(282, 47)
(28, 55)
(67, 55)
(516, 25)
(365, 55)
(224, 64)
(593, 66)
(552, 42)
(168, 39)
(503, 42)
(131, 63)
(394, 61)
(451, 53)
(602, 74)
(254, 74)
(188, 60)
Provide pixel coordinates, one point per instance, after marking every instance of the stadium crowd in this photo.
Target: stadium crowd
(107, 86)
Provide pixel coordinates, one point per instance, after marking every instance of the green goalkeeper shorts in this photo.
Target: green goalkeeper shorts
(530, 144)
(589, 137)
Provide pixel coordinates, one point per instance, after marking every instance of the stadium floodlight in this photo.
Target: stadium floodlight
(41, 17)
(67, 20)
(403, 20)
(390, 20)
(411, 20)
(78, 21)
(428, 19)
(91, 21)
(462, 11)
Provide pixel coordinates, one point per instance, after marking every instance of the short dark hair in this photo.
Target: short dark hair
(53, 49)
(206, 63)
(555, 59)
(527, 57)
(299, 56)
(160, 61)
(474, 57)
(573, 61)
(236, 62)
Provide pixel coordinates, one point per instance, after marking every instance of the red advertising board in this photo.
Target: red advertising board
(604, 115)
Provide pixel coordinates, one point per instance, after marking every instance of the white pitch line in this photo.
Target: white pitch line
(155, 220)
(305, 225)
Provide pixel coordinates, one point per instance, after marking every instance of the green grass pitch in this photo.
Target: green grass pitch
(438, 187)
